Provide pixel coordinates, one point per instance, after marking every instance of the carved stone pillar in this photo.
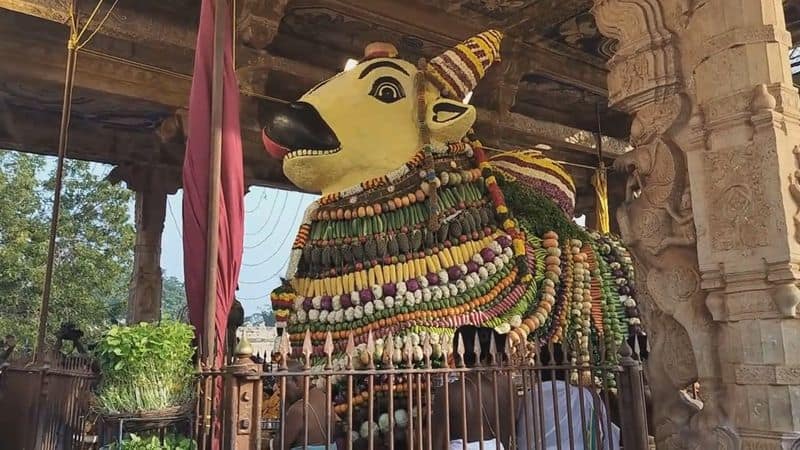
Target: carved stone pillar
(152, 187)
(144, 300)
(710, 213)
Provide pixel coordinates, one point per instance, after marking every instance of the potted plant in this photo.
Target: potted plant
(147, 377)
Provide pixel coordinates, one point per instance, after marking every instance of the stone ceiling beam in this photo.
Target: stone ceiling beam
(439, 26)
(259, 25)
(124, 23)
(24, 60)
(36, 132)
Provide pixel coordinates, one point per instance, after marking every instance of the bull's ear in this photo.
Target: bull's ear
(449, 120)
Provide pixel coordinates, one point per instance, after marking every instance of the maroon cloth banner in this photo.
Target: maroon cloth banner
(196, 170)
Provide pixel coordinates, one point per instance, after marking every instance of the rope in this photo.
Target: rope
(258, 205)
(174, 220)
(283, 207)
(99, 26)
(281, 246)
(171, 73)
(75, 36)
(272, 277)
(269, 215)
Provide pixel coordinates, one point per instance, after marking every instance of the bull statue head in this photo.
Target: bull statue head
(365, 122)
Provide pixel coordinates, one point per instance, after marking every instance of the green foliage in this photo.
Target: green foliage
(171, 442)
(145, 367)
(268, 316)
(537, 213)
(264, 317)
(94, 253)
(173, 300)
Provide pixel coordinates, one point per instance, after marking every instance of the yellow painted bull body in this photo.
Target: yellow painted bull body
(417, 232)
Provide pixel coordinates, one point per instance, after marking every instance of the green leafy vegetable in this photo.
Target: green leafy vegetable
(171, 442)
(145, 367)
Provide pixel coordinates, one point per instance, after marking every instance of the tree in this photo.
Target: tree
(94, 250)
(173, 300)
(264, 317)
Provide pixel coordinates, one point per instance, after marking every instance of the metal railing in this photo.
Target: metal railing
(45, 404)
(534, 398)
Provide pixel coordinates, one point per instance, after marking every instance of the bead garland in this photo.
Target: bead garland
(366, 261)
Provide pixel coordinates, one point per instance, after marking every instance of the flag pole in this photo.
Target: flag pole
(63, 136)
(212, 250)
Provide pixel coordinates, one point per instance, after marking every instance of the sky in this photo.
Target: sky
(272, 218)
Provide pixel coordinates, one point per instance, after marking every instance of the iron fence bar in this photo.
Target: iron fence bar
(554, 392)
(349, 412)
(418, 386)
(429, 410)
(446, 384)
(607, 403)
(537, 381)
(420, 430)
(581, 397)
(478, 356)
(306, 390)
(511, 395)
(568, 397)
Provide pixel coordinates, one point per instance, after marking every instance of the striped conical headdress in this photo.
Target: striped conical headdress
(458, 70)
(542, 174)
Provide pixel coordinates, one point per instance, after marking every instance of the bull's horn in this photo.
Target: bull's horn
(458, 70)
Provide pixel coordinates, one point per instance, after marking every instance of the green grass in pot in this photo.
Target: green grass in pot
(145, 367)
(171, 442)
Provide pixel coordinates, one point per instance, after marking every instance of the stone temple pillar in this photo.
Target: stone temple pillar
(144, 299)
(152, 186)
(711, 213)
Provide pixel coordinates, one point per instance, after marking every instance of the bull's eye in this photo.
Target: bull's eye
(387, 90)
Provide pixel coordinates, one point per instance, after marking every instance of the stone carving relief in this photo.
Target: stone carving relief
(657, 213)
(667, 371)
(794, 190)
(259, 21)
(656, 221)
(735, 185)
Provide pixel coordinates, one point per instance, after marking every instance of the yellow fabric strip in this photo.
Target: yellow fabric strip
(600, 184)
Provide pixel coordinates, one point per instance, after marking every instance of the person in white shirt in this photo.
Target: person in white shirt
(576, 408)
(480, 409)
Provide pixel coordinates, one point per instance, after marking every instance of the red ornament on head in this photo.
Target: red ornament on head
(379, 50)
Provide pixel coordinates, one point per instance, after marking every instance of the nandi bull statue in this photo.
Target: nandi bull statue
(418, 232)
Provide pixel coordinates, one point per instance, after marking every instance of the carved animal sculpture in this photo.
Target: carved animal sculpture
(657, 227)
(418, 231)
